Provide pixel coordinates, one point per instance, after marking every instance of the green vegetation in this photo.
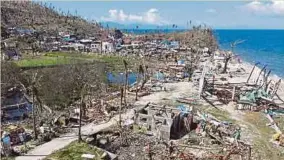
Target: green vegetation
(262, 145)
(114, 63)
(74, 151)
(45, 61)
(220, 114)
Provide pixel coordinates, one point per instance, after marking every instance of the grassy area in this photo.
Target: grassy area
(220, 114)
(37, 62)
(115, 63)
(74, 151)
(280, 121)
(262, 146)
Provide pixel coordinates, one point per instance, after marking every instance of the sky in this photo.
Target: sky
(253, 14)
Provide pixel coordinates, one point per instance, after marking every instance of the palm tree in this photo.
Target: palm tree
(120, 106)
(229, 55)
(166, 56)
(140, 72)
(126, 79)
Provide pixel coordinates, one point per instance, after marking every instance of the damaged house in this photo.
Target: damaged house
(12, 54)
(14, 105)
(96, 46)
(108, 47)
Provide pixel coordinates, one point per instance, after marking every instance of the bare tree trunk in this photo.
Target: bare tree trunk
(226, 64)
(80, 120)
(34, 117)
(125, 85)
(136, 91)
(120, 107)
(251, 72)
(126, 79)
(82, 94)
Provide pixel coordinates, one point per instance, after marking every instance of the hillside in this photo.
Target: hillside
(41, 16)
(197, 37)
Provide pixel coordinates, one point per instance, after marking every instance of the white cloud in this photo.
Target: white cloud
(272, 7)
(151, 16)
(211, 10)
(135, 18)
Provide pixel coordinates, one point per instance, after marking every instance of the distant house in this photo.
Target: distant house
(72, 47)
(69, 38)
(174, 44)
(165, 44)
(86, 41)
(96, 46)
(108, 47)
(14, 104)
(23, 31)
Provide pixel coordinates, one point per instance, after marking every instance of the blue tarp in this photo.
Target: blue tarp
(159, 76)
(174, 43)
(6, 140)
(120, 78)
(180, 62)
(184, 110)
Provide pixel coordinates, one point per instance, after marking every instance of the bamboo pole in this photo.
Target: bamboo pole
(260, 73)
(252, 71)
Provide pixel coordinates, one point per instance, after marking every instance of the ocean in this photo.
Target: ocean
(264, 46)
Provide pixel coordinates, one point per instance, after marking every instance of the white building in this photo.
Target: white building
(73, 47)
(96, 46)
(107, 47)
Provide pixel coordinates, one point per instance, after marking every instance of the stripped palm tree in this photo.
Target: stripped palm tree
(140, 72)
(167, 57)
(120, 106)
(126, 79)
(229, 55)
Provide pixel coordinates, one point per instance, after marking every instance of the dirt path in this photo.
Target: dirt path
(174, 90)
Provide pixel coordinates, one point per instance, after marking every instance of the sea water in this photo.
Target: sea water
(264, 46)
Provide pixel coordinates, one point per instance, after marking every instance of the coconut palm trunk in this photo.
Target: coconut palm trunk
(140, 72)
(120, 106)
(34, 115)
(126, 79)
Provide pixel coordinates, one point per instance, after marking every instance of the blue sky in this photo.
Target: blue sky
(237, 14)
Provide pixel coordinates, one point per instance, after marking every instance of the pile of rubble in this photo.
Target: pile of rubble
(160, 131)
(258, 93)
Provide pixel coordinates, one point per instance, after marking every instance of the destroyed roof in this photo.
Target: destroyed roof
(86, 41)
(12, 53)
